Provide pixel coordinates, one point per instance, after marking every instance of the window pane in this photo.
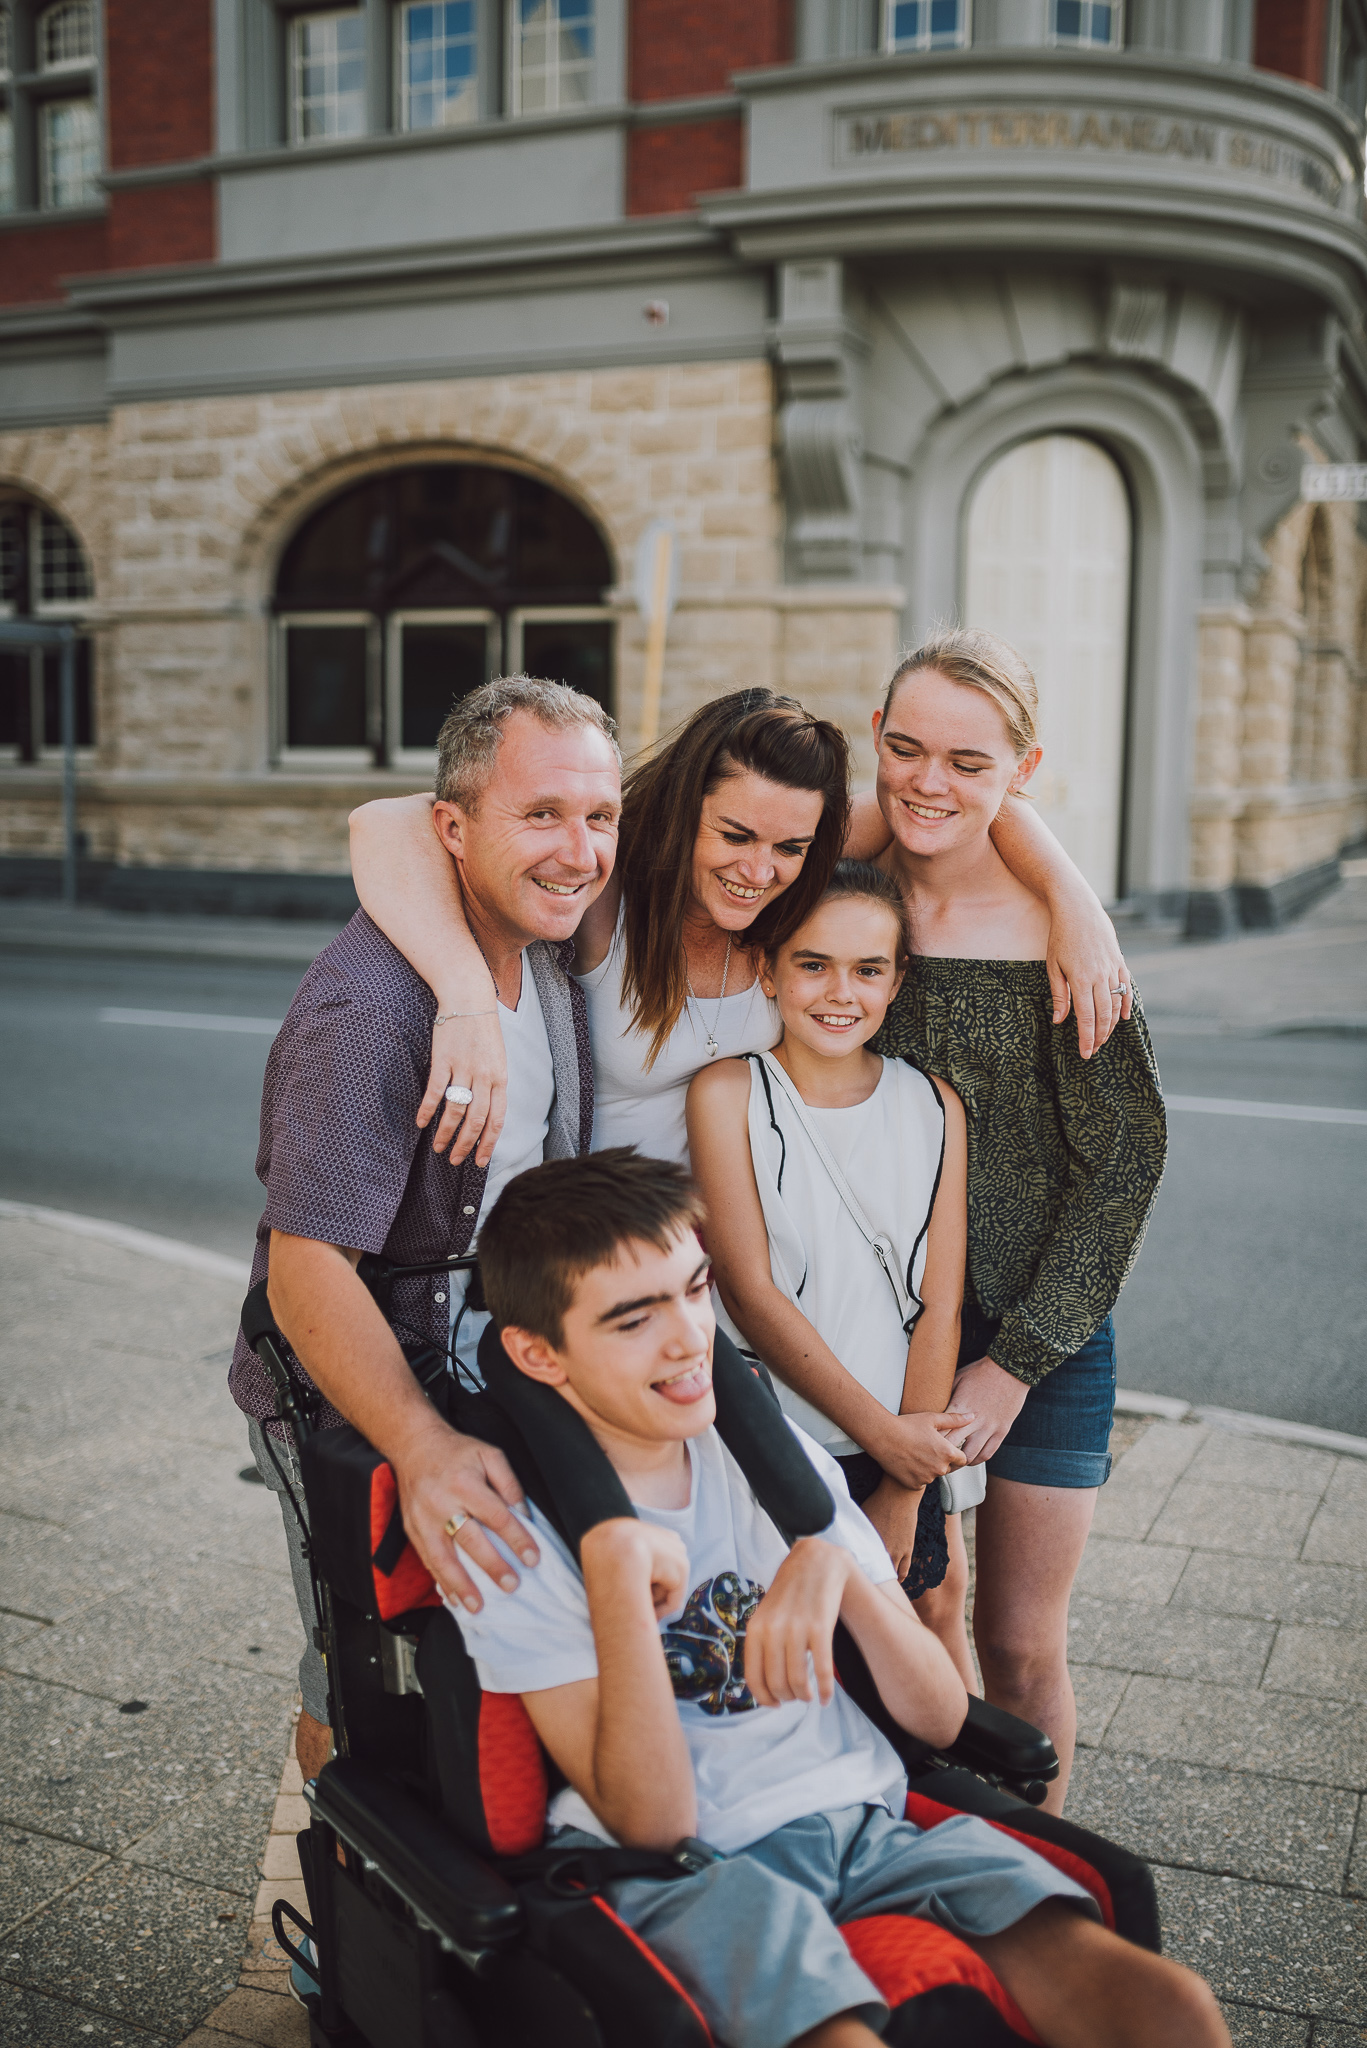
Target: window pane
(14, 700)
(13, 553)
(66, 35)
(71, 153)
(441, 663)
(438, 65)
(52, 697)
(553, 52)
(327, 70)
(325, 686)
(1088, 22)
(6, 164)
(925, 24)
(573, 651)
(65, 576)
(6, 41)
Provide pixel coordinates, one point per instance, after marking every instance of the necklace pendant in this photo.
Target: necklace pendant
(712, 1047)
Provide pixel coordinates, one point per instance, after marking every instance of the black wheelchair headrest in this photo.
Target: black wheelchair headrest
(581, 1485)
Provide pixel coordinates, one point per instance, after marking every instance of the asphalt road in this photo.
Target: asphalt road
(1250, 1292)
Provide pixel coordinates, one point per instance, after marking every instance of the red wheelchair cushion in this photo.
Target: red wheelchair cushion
(906, 1958)
(408, 1584)
(512, 1775)
(928, 1813)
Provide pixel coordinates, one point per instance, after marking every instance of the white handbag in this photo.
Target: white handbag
(967, 1487)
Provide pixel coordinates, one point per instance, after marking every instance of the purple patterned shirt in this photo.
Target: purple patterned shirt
(340, 1156)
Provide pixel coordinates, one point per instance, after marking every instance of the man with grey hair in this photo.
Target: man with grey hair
(528, 796)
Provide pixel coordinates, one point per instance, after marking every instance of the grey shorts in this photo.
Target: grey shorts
(313, 1679)
(755, 1941)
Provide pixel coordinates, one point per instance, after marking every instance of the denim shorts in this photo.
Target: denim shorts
(1062, 1435)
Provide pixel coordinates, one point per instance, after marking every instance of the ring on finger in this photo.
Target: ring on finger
(454, 1524)
(455, 1093)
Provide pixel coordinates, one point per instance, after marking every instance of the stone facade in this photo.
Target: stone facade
(1281, 734)
(185, 508)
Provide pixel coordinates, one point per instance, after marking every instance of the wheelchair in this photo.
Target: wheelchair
(438, 1916)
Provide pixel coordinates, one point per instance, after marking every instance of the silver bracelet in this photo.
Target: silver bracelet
(451, 1015)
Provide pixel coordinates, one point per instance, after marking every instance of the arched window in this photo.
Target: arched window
(43, 574)
(408, 590)
(1317, 610)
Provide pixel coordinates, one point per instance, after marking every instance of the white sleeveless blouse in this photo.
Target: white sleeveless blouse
(633, 1107)
(890, 1149)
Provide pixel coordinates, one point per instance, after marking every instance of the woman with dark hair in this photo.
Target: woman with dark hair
(728, 836)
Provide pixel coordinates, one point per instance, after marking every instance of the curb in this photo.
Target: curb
(1167, 1408)
(170, 1250)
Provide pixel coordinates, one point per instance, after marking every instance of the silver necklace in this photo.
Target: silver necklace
(712, 1047)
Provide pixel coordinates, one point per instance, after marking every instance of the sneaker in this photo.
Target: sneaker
(304, 1983)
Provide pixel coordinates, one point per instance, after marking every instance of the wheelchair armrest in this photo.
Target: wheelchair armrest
(1003, 1746)
(444, 1882)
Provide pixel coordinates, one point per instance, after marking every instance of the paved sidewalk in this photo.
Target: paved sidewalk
(147, 1646)
(1311, 976)
(1219, 1640)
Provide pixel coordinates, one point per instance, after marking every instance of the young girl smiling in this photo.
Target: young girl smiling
(850, 1299)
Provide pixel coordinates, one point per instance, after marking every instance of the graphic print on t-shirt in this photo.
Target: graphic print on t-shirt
(705, 1647)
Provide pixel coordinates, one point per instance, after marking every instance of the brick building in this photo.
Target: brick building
(347, 352)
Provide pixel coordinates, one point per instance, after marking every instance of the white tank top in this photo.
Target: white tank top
(890, 1149)
(633, 1107)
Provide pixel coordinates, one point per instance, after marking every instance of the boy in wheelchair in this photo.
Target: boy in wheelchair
(685, 1683)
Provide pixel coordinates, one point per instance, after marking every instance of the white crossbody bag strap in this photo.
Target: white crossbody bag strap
(882, 1246)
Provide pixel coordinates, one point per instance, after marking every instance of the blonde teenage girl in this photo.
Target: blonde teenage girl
(834, 1181)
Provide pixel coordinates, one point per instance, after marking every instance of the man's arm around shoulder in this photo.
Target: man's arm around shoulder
(618, 1737)
(349, 1351)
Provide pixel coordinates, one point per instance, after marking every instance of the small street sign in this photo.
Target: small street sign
(1331, 483)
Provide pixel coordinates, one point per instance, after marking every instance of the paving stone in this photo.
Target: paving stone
(1329, 1662)
(34, 1868)
(1131, 1636)
(1253, 2027)
(262, 2017)
(1294, 1951)
(281, 1858)
(1098, 1692)
(1356, 1882)
(60, 1571)
(1348, 1487)
(1302, 1741)
(1261, 1463)
(1128, 1512)
(291, 1812)
(1271, 1588)
(137, 1943)
(110, 1645)
(1325, 2034)
(14, 1630)
(218, 1838)
(1211, 1517)
(1162, 1455)
(30, 2020)
(1114, 1569)
(1220, 1821)
(1338, 1534)
(272, 1888)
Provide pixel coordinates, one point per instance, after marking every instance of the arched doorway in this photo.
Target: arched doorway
(406, 591)
(1048, 568)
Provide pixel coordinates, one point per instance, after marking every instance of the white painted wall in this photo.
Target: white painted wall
(1048, 568)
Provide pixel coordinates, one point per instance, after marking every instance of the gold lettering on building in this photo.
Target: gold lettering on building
(904, 133)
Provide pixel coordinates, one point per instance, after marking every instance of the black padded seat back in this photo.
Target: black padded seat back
(565, 1472)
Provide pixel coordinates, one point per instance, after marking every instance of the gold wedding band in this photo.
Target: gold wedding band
(454, 1524)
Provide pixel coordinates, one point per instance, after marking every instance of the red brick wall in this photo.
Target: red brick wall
(1292, 36)
(666, 167)
(161, 224)
(680, 47)
(32, 259)
(159, 81)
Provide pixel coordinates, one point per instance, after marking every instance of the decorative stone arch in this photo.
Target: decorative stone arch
(278, 518)
(1147, 431)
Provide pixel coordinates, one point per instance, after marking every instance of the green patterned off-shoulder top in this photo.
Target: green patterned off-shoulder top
(1064, 1154)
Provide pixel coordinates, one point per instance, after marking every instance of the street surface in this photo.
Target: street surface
(131, 1090)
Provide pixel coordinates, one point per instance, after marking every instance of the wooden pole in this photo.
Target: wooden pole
(655, 640)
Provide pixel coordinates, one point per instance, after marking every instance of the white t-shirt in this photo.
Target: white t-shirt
(521, 1142)
(756, 1768)
(633, 1107)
